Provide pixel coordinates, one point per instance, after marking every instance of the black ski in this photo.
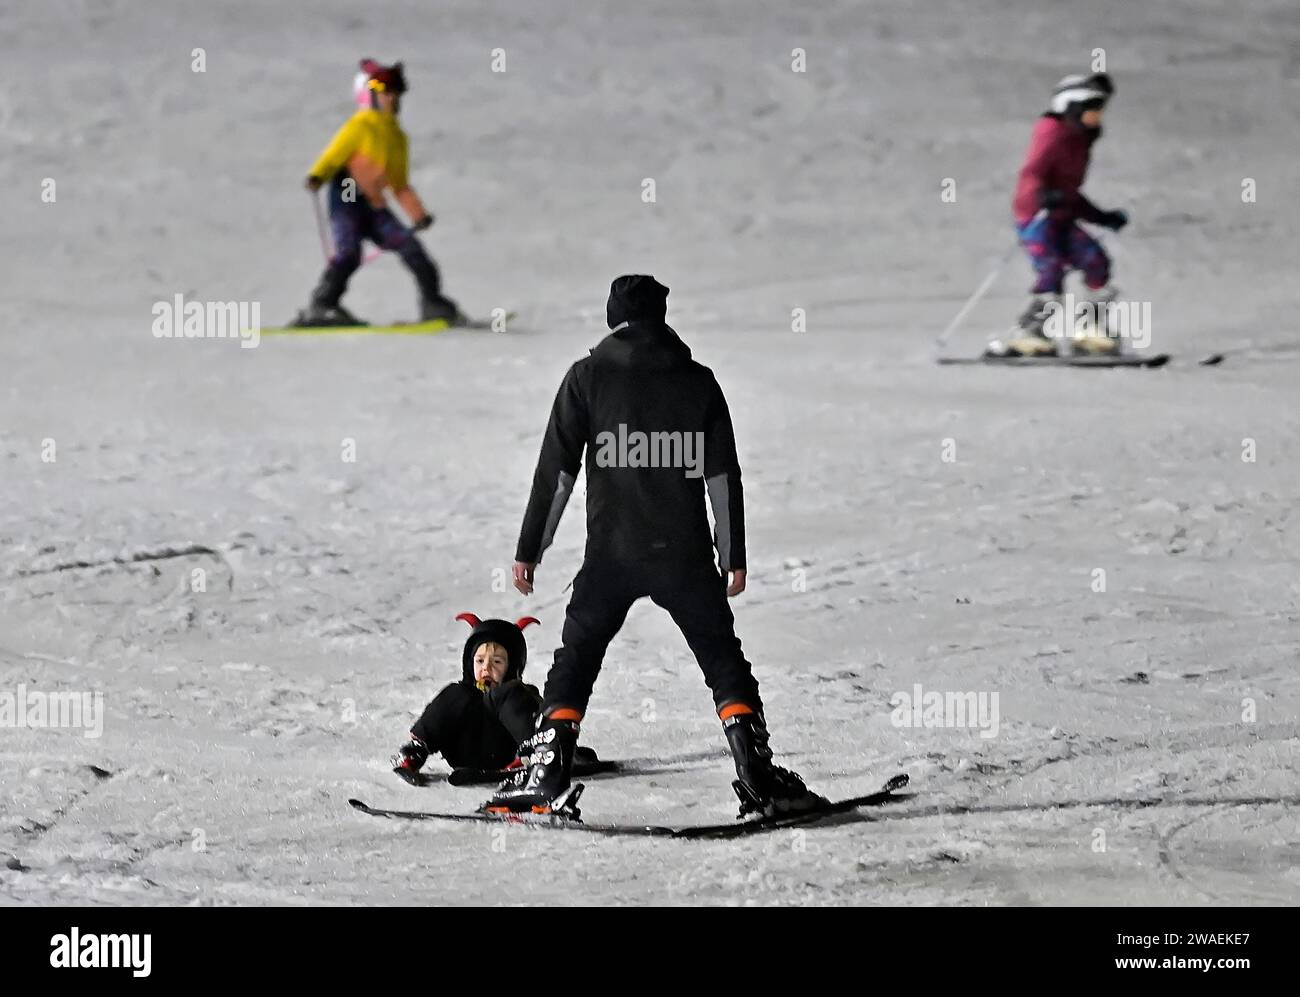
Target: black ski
(1083, 360)
(550, 821)
(886, 794)
(735, 829)
(490, 777)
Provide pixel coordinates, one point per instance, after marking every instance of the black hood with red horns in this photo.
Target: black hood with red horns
(508, 635)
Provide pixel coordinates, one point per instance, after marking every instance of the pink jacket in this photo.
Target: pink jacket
(1057, 160)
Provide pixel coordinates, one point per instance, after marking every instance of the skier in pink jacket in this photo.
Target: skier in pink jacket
(1048, 205)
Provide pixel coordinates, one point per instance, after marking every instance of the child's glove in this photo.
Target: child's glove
(1115, 220)
(313, 184)
(422, 223)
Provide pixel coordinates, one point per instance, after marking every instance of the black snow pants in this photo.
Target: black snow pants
(694, 594)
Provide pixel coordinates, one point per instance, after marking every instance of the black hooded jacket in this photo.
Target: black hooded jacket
(657, 433)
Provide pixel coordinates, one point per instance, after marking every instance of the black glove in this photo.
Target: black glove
(422, 223)
(1050, 200)
(1113, 220)
(313, 184)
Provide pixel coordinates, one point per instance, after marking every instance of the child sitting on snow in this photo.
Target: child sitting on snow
(479, 721)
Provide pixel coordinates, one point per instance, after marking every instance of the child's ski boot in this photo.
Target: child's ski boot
(410, 758)
(1030, 338)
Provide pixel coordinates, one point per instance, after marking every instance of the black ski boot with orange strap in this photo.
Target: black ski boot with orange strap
(762, 787)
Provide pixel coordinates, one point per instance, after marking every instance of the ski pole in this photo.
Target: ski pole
(980, 291)
(974, 298)
(320, 227)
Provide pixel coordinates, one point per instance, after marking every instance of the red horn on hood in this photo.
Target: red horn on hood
(469, 618)
(523, 621)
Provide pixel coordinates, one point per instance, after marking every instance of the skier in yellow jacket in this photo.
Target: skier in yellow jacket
(366, 158)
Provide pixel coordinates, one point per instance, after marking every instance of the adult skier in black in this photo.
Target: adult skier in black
(658, 434)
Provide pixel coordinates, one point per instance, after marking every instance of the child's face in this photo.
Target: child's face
(490, 662)
(1091, 118)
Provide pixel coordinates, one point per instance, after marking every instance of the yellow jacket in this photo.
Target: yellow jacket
(372, 146)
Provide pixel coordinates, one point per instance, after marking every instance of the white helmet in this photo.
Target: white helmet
(1079, 89)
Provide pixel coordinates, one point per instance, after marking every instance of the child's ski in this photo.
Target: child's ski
(1094, 360)
(429, 328)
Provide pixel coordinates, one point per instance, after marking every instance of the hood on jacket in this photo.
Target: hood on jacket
(636, 309)
(508, 635)
(636, 298)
